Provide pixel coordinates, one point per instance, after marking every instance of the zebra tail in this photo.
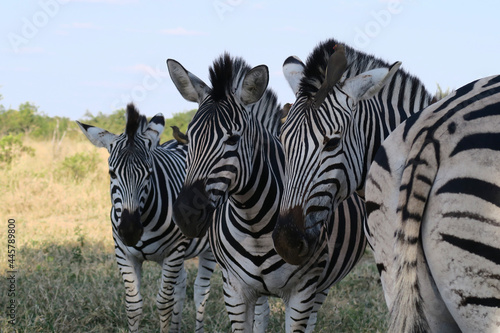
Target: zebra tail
(407, 313)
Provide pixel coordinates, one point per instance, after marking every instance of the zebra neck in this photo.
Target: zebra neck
(380, 115)
(263, 187)
(159, 202)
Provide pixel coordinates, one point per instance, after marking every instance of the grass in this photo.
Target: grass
(68, 281)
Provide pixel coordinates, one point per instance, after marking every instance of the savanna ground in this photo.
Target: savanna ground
(67, 279)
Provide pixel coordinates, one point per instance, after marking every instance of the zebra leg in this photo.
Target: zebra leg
(318, 302)
(172, 292)
(130, 270)
(299, 309)
(239, 305)
(206, 266)
(261, 318)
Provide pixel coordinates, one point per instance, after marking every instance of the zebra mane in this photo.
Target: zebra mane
(135, 121)
(357, 62)
(267, 111)
(226, 74)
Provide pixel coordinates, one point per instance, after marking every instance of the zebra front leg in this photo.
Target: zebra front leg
(239, 307)
(206, 266)
(318, 302)
(261, 318)
(299, 310)
(172, 293)
(130, 270)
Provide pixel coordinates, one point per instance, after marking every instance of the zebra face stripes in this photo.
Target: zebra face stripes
(323, 161)
(130, 168)
(237, 155)
(328, 148)
(214, 163)
(130, 184)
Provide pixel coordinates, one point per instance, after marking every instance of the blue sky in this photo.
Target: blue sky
(69, 56)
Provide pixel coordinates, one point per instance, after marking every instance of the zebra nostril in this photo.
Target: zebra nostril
(303, 248)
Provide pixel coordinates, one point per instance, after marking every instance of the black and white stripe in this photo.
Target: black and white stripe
(328, 149)
(233, 189)
(145, 179)
(433, 196)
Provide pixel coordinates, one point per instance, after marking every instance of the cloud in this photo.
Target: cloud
(182, 32)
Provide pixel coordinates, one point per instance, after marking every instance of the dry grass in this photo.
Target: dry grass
(67, 279)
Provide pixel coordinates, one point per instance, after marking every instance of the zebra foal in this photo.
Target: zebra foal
(145, 179)
(433, 195)
(232, 190)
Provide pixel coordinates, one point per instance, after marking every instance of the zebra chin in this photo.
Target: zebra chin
(290, 240)
(192, 211)
(130, 229)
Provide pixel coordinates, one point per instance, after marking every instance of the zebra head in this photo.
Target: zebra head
(322, 141)
(216, 137)
(131, 169)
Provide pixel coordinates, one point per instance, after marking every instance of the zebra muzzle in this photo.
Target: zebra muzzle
(192, 211)
(289, 241)
(130, 228)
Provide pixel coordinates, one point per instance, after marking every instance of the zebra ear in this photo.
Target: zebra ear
(254, 84)
(98, 136)
(189, 85)
(367, 84)
(155, 129)
(293, 69)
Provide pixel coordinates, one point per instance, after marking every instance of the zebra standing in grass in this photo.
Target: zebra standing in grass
(347, 103)
(235, 169)
(145, 178)
(433, 194)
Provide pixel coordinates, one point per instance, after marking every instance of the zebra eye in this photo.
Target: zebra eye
(112, 174)
(233, 139)
(331, 144)
(150, 172)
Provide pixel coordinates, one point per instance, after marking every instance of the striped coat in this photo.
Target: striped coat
(145, 179)
(434, 214)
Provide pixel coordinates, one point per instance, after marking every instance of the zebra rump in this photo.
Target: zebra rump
(433, 199)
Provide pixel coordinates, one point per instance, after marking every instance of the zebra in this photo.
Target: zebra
(433, 202)
(232, 190)
(346, 103)
(145, 179)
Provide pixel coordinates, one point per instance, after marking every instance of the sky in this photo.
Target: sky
(72, 56)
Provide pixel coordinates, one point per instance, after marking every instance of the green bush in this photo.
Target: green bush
(79, 165)
(11, 147)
